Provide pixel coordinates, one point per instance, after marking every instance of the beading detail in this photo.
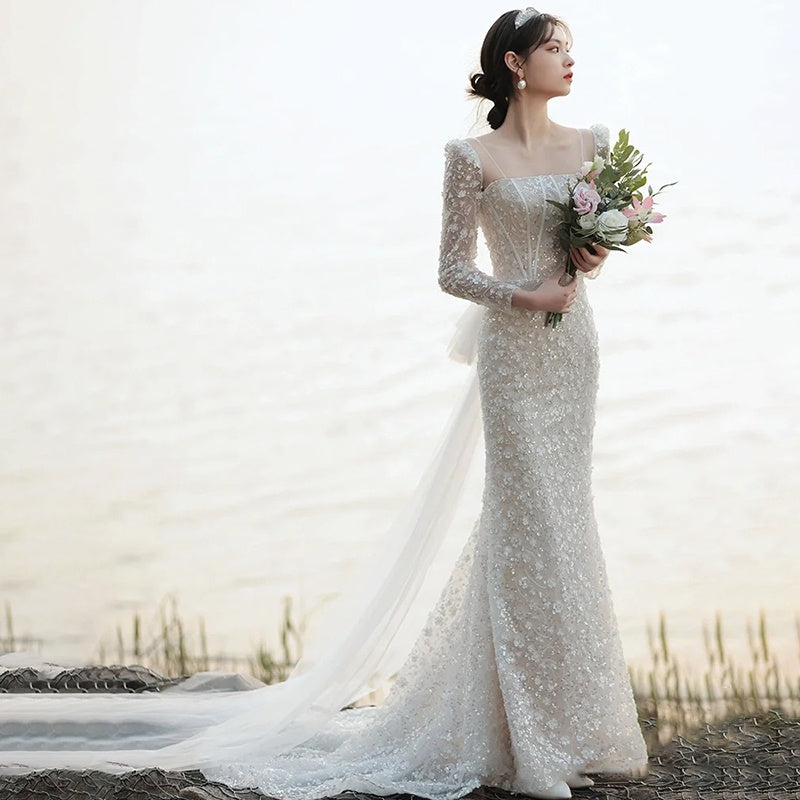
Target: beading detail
(524, 15)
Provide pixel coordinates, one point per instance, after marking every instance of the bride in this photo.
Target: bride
(517, 679)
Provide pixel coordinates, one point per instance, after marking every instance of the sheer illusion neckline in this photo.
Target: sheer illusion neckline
(489, 185)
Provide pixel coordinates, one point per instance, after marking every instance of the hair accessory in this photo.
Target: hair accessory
(524, 15)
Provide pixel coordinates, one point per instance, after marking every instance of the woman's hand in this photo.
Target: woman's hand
(549, 295)
(585, 259)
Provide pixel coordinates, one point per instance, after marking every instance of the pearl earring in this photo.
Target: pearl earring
(521, 83)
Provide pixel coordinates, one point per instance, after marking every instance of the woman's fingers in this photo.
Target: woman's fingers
(586, 260)
(573, 291)
(579, 256)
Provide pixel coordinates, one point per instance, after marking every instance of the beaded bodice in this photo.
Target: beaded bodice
(518, 224)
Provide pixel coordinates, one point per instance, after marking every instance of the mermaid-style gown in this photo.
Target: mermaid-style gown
(517, 679)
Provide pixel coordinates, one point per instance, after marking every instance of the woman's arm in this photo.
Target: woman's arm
(458, 249)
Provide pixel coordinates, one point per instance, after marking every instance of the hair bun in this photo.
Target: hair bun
(481, 85)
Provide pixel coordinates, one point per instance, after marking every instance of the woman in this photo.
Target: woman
(517, 679)
(561, 672)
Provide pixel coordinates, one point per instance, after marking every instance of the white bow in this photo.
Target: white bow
(463, 346)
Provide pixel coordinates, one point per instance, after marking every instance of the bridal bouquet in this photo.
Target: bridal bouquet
(606, 206)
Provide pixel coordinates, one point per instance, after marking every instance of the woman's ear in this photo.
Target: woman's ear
(512, 61)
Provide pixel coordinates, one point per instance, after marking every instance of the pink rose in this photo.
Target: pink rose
(585, 197)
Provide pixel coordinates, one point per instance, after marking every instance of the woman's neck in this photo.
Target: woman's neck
(527, 126)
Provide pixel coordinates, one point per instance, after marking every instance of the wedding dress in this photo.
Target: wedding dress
(517, 677)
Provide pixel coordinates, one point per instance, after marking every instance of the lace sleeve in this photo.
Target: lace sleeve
(601, 148)
(601, 140)
(458, 274)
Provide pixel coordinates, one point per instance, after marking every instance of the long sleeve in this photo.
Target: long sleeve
(601, 145)
(458, 274)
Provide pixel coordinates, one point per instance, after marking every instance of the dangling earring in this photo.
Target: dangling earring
(521, 83)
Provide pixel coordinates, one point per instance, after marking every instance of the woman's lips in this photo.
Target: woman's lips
(568, 77)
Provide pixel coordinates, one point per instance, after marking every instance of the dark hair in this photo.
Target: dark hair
(496, 82)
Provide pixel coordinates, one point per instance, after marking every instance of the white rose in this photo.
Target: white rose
(588, 223)
(593, 168)
(613, 226)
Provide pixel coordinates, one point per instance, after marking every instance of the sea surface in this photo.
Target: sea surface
(223, 361)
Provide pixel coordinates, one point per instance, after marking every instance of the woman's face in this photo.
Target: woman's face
(546, 67)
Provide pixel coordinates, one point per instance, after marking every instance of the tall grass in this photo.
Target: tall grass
(676, 697)
(10, 641)
(173, 651)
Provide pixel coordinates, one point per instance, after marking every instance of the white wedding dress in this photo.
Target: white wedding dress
(517, 678)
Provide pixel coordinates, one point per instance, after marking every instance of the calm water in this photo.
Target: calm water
(223, 347)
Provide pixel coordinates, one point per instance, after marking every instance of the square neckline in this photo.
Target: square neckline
(527, 178)
(486, 188)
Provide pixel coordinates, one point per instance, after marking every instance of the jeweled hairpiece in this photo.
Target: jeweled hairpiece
(524, 15)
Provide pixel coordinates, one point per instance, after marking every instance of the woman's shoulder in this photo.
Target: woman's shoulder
(599, 127)
(457, 146)
(601, 137)
(460, 150)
